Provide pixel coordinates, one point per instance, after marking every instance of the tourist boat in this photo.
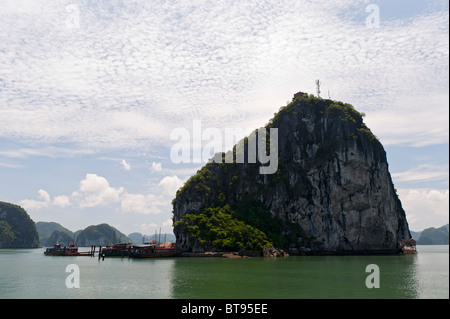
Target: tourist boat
(148, 250)
(119, 249)
(61, 250)
(71, 250)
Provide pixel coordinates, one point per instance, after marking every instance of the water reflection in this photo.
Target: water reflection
(294, 277)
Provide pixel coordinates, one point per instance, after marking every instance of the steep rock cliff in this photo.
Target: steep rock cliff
(332, 192)
(17, 229)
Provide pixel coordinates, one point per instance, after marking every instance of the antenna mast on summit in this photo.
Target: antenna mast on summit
(318, 88)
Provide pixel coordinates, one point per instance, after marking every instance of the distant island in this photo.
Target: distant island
(433, 236)
(94, 235)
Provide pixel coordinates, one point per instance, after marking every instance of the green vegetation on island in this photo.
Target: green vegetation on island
(219, 228)
(344, 111)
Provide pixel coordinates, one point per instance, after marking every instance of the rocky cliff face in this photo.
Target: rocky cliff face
(332, 192)
(17, 229)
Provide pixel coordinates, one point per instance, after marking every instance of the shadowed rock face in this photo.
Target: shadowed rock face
(332, 193)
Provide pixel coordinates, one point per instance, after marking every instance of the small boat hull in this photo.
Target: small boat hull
(117, 250)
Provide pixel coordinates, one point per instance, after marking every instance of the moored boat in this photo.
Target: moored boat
(61, 250)
(118, 250)
(71, 250)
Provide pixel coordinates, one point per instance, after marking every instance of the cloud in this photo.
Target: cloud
(44, 195)
(421, 173)
(167, 223)
(44, 151)
(30, 204)
(425, 126)
(45, 201)
(147, 227)
(11, 165)
(147, 68)
(170, 185)
(139, 203)
(95, 191)
(425, 207)
(61, 201)
(157, 167)
(125, 165)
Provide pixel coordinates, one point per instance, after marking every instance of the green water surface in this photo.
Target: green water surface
(27, 273)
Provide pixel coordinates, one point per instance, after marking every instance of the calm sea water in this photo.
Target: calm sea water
(27, 273)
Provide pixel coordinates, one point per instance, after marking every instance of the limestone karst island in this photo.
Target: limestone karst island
(332, 192)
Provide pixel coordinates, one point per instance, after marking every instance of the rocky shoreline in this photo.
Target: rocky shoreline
(270, 252)
(277, 252)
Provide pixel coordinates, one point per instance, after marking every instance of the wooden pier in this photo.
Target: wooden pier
(90, 253)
